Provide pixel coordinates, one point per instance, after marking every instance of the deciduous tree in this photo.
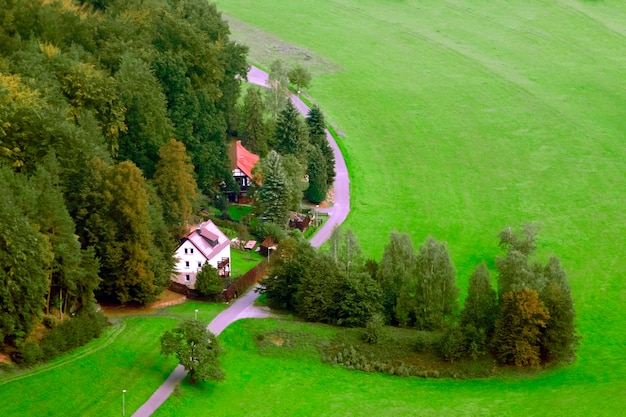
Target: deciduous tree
(518, 328)
(196, 348)
(478, 317)
(300, 77)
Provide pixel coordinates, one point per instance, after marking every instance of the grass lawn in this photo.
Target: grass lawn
(242, 261)
(289, 380)
(461, 117)
(90, 380)
(236, 212)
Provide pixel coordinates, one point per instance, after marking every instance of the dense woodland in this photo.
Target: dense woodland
(527, 321)
(115, 122)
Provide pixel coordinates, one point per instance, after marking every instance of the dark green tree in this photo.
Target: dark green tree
(274, 192)
(291, 133)
(197, 350)
(395, 271)
(296, 184)
(318, 180)
(317, 137)
(148, 126)
(25, 258)
(321, 290)
(430, 301)
(478, 317)
(208, 281)
(558, 339)
(360, 300)
(288, 265)
(254, 131)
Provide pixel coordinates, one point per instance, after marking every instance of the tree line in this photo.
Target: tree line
(526, 321)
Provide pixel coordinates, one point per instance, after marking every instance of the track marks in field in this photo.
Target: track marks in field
(594, 19)
(506, 76)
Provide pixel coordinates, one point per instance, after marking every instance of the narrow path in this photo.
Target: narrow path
(243, 307)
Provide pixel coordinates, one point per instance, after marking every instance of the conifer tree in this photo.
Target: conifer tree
(274, 192)
(291, 133)
(254, 133)
(318, 184)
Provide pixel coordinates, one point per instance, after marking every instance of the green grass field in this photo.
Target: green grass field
(90, 380)
(462, 117)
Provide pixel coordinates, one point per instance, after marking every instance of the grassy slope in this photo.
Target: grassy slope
(92, 385)
(490, 113)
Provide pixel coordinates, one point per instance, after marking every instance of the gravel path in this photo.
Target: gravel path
(243, 307)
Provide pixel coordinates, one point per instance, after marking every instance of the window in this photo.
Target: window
(187, 278)
(185, 251)
(199, 264)
(191, 250)
(187, 264)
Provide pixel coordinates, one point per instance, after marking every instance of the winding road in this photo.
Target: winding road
(243, 307)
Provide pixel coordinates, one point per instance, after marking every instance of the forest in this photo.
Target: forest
(115, 123)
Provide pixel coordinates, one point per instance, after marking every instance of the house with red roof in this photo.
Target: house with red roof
(241, 163)
(203, 243)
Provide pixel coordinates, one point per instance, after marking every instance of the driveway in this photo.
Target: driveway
(243, 307)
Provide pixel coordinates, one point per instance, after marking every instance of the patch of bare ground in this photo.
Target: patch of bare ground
(165, 299)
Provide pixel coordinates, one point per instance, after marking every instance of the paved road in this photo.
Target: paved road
(243, 306)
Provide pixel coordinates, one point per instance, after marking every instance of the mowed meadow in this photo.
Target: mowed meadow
(462, 117)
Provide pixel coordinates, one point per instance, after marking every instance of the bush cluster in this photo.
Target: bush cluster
(349, 357)
(68, 335)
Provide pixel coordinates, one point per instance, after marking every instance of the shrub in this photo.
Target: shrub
(374, 329)
(450, 346)
(28, 354)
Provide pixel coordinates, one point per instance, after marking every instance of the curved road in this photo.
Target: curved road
(337, 214)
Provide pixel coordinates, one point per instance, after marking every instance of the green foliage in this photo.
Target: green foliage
(477, 320)
(318, 181)
(196, 348)
(291, 133)
(292, 260)
(274, 193)
(176, 186)
(430, 299)
(374, 329)
(68, 335)
(208, 281)
(450, 346)
(254, 130)
(300, 77)
(395, 270)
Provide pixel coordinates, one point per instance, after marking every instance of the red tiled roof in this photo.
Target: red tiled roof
(241, 158)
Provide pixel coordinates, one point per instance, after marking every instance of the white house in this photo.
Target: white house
(203, 243)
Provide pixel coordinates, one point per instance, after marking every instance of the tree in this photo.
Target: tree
(176, 186)
(321, 290)
(277, 94)
(395, 271)
(558, 338)
(299, 77)
(148, 126)
(518, 328)
(317, 137)
(318, 180)
(478, 317)
(296, 184)
(514, 271)
(432, 298)
(274, 193)
(25, 256)
(291, 133)
(254, 135)
(288, 265)
(208, 281)
(196, 348)
(360, 300)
